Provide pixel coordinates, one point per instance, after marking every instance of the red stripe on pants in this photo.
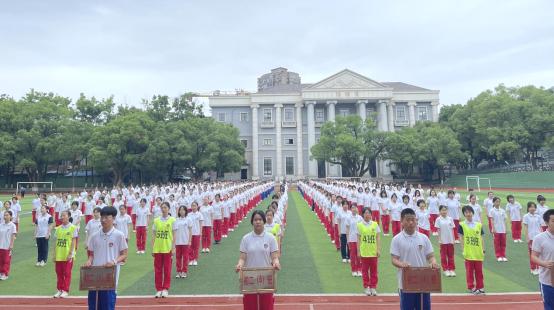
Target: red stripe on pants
(182, 258)
(5, 261)
(162, 271)
(258, 301)
(355, 263)
(369, 272)
(206, 237)
(141, 238)
(396, 227)
(531, 263)
(337, 236)
(134, 220)
(474, 274)
(385, 222)
(447, 257)
(375, 216)
(432, 219)
(457, 225)
(34, 215)
(63, 273)
(233, 220)
(225, 229)
(195, 245)
(516, 230)
(500, 244)
(217, 230)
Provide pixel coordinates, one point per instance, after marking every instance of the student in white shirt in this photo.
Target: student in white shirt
(476, 208)
(207, 215)
(532, 227)
(93, 226)
(8, 231)
(395, 210)
(543, 255)
(342, 218)
(43, 230)
(109, 248)
(123, 222)
(182, 228)
(541, 208)
(142, 223)
(196, 219)
(433, 203)
(514, 209)
(453, 206)
(487, 203)
(352, 233)
(445, 225)
(498, 216)
(16, 210)
(76, 216)
(422, 215)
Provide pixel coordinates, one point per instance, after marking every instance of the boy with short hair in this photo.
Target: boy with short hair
(473, 251)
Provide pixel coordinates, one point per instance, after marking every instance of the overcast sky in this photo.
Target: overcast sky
(134, 49)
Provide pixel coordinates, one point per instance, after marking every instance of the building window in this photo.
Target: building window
(268, 115)
(244, 142)
(401, 113)
(289, 141)
(221, 117)
(244, 116)
(268, 141)
(289, 114)
(344, 112)
(268, 169)
(319, 116)
(422, 113)
(289, 165)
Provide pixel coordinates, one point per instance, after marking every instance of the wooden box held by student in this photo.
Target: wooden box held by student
(97, 278)
(257, 280)
(421, 280)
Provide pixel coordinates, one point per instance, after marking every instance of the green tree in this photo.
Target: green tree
(351, 143)
(92, 111)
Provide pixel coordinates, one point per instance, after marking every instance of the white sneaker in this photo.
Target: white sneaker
(190, 263)
(373, 292)
(452, 273)
(165, 293)
(536, 272)
(359, 273)
(207, 250)
(183, 275)
(348, 260)
(64, 294)
(456, 241)
(57, 295)
(515, 241)
(178, 275)
(386, 235)
(42, 263)
(3, 278)
(499, 259)
(446, 273)
(37, 264)
(344, 260)
(333, 241)
(138, 252)
(367, 291)
(195, 263)
(232, 229)
(504, 259)
(354, 274)
(158, 294)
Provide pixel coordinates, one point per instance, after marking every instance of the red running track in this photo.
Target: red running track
(282, 302)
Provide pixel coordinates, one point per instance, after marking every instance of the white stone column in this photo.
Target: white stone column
(279, 141)
(411, 112)
(362, 109)
(382, 122)
(390, 115)
(312, 163)
(299, 142)
(435, 111)
(254, 167)
(331, 110)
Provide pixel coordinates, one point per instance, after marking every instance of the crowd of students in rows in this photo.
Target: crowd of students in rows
(354, 214)
(184, 220)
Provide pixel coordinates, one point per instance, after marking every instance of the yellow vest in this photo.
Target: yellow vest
(368, 239)
(473, 242)
(63, 242)
(275, 232)
(164, 235)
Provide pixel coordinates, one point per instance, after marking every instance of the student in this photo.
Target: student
(89, 208)
(93, 226)
(543, 255)
(385, 212)
(8, 231)
(473, 251)
(487, 203)
(541, 208)
(76, 216)
(36, 207)
(64, 254)
(422, 216)
(162, 250)
(433, 203)
(406, 202)
(183, 235)
(271, 226)
(369, 250)
(411, 248)
(444, 226)
(532, 227)
(352, 233)
(476, 208)
(196, 219)
(514, 209)
(143, 220)
(374, 205)
(207, 215)
(498, 217)
(395, 211)
(43, 230)
(258, 249)
(123, 222)
(453, 206)
(342, 219)
(109, 248)
(218, 219)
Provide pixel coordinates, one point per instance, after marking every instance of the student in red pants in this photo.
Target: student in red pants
(514, 209)
(218, 219)
(66, 236)
(444, 226)
(385, 212)
(498, 216)
(196, 219)
(473, 251)
(143, 216)
(369, 248)
(162, 250)
(8, 232)
(183, 238)
(207, 212)
(352, 234)
(532, 227)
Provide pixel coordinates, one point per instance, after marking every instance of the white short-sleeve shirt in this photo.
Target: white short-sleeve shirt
(142, 216)
(445, 226)
(533, 222)
(412, 249)
(122, 223)
(544, 245)
(181, 230)
(499, 220)
(6, 233)
(258, 249)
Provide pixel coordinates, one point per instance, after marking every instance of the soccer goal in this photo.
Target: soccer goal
(477, 181)
(35, 187)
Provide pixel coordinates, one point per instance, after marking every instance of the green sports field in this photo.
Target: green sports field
(538, 179)
(310, 263)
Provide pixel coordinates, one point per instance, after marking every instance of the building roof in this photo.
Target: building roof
(403, 87)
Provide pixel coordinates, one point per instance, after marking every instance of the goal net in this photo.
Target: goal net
(35, 187)
(474, 181)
